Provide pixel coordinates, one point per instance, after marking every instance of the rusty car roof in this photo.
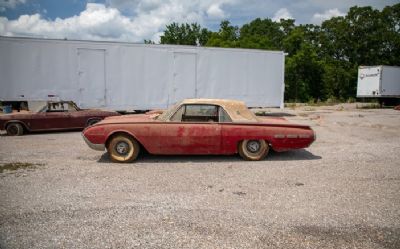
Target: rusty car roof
(236, 109)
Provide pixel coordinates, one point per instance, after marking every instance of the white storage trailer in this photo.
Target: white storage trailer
(378, 82)
(128, 76)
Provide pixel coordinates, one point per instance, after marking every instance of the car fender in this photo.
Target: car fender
(123, 131)
(17, 121)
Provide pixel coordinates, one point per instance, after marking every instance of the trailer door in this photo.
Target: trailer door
(184, 78)
(91, 78)
(369, 79)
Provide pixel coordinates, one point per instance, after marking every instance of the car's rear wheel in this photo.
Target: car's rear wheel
(15, 129)
(123, 149)
(253, 150)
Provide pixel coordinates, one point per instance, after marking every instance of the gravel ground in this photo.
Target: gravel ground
(342, 192)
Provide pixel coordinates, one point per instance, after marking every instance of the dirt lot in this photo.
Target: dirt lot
(342, 192)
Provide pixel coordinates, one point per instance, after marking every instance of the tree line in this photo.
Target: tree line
(322, 60)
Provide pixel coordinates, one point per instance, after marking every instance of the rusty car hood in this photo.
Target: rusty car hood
(132, 118)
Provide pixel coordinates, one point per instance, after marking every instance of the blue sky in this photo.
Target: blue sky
(135, 20)
(49, 9)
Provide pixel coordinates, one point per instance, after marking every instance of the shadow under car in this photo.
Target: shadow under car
(300, 154)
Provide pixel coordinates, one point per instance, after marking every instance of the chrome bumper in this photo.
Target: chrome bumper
(100, 147)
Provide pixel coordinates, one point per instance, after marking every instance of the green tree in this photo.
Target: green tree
(185, 34)
(339, 80)
(264, 34)
(303, 75)
(390, 49)
(227, 36)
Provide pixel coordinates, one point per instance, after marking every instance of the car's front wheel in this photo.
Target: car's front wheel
(123, 149)
(15, 129)
(253, 150)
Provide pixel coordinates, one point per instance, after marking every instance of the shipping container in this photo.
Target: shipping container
(129, 76)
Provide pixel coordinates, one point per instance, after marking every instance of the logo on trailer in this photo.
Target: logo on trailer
(362, 76)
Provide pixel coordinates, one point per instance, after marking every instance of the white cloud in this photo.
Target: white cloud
(215, 11)
(318, 18)
(282, 14)
(10, 4)
(95, 22)
(105, 22)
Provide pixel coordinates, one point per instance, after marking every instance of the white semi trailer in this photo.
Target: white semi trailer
(128, 76)
(381, 82)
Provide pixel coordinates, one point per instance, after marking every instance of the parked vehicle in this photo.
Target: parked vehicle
(125, 76)
(197, 126)
(54, 115)
(380, 82)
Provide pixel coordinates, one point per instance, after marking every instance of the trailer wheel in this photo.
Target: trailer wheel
(123, 149)
(253, 150)
(14, 129)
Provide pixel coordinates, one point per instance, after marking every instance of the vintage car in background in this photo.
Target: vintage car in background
(53, 115)
(197, 127)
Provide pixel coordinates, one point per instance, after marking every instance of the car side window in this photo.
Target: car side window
(196, 113)
(57, 107)
(223, 116)
(200, 113)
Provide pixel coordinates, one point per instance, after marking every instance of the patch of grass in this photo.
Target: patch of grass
(261, 113)
(18, 165)
(351, 100)
(309, 109)
(310, 103)
(332, 100)
(368, 106)
(290, 105)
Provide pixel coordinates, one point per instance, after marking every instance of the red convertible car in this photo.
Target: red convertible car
(197, 127)
(54, 115)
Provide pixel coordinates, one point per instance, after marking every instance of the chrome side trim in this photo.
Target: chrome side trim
(292, 136)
